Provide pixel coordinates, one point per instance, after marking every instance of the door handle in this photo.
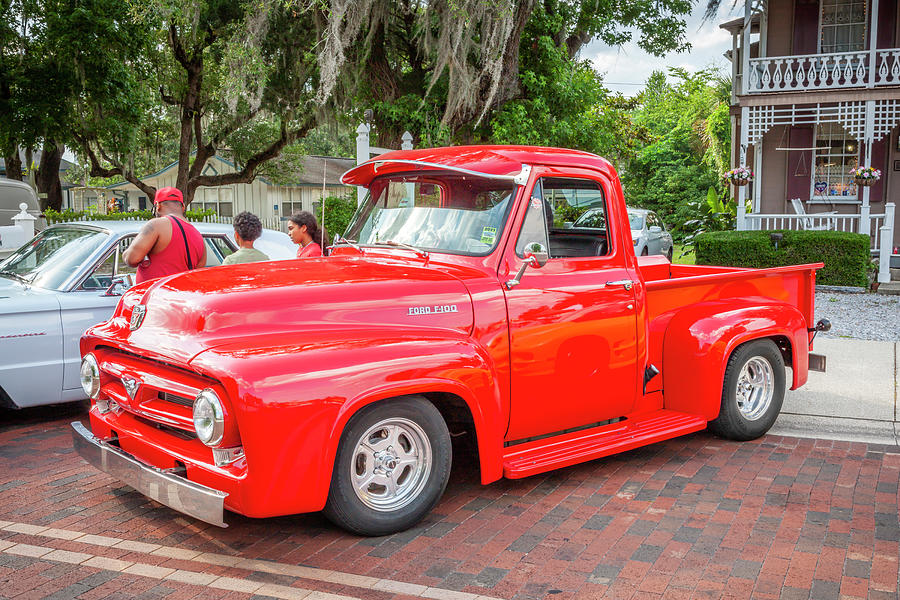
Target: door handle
(626, 283)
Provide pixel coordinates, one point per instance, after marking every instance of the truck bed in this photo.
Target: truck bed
(670, 288)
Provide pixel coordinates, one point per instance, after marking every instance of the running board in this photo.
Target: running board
(531, 458)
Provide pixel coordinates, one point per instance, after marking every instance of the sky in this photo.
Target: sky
(627, 68)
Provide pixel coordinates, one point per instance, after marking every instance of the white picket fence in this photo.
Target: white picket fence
(813, 221)
(276, 223)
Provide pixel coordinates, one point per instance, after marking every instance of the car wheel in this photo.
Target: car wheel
(645, 252)
(391, 468)
(753, 391)
(670, 253)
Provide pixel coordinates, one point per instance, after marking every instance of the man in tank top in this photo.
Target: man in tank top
(167, 244)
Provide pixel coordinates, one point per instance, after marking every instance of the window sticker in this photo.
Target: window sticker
(488, 235)
(536, 204)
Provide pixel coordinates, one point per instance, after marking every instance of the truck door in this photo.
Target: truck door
(572, 322)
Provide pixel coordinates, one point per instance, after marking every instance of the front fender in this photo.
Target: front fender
(699, 340)
(293, 398)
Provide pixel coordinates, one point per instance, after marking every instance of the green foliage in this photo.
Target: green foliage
(564, 102)
(338, 212)
(68, 215)
(689, 125)
(846, 255)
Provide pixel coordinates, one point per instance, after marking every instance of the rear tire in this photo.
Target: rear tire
(670, 253)
(391, 468)
(645, 252)
(752, 393)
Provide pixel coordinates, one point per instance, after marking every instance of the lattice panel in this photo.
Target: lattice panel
(887, 116)
(762, 119)
(851, 116)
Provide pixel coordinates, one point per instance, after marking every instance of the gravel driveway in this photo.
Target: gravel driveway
(860, 316)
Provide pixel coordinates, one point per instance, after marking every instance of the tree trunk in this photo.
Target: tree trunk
(47, 176)
(13, 165)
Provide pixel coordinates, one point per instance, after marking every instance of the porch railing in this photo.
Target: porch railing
(881, 229)
(839, 70)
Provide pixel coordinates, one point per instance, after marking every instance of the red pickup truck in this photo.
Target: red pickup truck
(461, 300)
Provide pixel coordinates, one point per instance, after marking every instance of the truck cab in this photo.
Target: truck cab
(460, 299)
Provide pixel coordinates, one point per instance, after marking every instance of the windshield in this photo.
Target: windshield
(636, 220)
(53, 256)
(453, 214)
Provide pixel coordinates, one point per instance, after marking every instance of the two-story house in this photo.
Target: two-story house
(816, 93)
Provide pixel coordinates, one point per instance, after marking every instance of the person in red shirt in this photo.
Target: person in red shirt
(168, 244)
(305, 232)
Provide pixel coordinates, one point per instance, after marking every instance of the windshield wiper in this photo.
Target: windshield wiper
(418, 251)
(339, 239)
(15, 275)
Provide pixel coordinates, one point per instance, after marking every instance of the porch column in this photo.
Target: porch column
(865, 226)
(742, 190)
(887, 239)
(745, 49)
(873, 43)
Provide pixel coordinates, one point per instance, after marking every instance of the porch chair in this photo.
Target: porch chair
(807, 222)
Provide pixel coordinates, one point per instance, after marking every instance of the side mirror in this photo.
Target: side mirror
(120, 284)
(655, 229)
(536, 256)
(537, 253)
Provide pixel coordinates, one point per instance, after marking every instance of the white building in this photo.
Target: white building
(265, 199)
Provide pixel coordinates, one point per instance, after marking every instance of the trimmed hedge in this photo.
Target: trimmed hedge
(68, 215)
(846, 255)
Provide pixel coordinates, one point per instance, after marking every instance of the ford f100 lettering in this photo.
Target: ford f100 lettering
(460, 298)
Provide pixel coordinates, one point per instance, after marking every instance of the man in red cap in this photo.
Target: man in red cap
(168, 244)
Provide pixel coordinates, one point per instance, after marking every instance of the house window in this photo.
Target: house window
(218, 199)
(291, 201)
(836, 153)
(842, 26)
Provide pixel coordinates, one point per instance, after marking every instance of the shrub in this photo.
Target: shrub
(846, 255)
(338, 212)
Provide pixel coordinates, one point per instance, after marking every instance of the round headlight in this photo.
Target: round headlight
(90, 376)
(209, 418)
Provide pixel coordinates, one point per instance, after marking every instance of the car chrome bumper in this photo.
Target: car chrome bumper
(176, 492)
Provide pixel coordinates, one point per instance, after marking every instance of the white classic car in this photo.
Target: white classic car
(647, 230)
(69, 277)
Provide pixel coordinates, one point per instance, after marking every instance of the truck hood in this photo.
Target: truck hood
(192, 312)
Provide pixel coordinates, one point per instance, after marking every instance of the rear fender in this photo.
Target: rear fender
(700, 339)
(293, 400)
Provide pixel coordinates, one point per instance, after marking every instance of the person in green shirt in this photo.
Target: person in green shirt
(247, 228)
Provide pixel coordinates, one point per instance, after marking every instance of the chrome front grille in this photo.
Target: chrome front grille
(170, 397)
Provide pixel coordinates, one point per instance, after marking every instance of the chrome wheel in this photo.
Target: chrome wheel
(755, 388)
(391, 464)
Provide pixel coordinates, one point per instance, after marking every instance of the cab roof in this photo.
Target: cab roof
(487, 160)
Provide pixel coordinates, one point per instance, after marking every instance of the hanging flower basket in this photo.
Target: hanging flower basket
(739, 177)
(865, 176)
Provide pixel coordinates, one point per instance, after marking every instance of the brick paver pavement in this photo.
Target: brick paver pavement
(695, 517)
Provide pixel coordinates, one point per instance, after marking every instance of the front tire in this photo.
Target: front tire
(391, 468)
(753, 391)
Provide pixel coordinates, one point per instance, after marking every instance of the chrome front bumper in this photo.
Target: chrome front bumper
(176, 492)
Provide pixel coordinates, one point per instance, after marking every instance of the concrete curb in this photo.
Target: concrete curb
(855, 400)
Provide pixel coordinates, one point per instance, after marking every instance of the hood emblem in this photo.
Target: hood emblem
(131, 386)
(137, 316)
